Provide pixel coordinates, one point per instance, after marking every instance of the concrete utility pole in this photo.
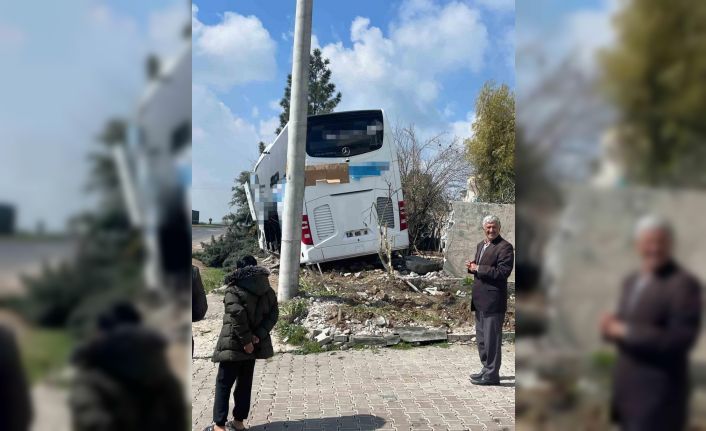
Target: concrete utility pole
(296, 153)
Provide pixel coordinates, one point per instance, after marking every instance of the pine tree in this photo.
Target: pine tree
(323, 97)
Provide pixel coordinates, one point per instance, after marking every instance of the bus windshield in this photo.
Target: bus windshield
(345, 134)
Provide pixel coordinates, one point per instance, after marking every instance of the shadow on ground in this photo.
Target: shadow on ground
(355, 422)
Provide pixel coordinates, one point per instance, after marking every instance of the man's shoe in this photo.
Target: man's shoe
(485, 382)
(477, 376)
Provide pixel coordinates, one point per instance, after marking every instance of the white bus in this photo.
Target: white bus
(352, 188)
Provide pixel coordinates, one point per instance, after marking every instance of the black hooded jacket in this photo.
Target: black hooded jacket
(123, 383)
(250, 309)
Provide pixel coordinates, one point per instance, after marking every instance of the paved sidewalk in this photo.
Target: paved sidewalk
(424, 388)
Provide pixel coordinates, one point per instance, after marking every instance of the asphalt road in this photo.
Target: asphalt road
(26, 256)
(203, 233)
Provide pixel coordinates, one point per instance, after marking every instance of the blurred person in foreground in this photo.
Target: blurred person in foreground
(491, 268)
(15, 401)
(657, 324)
(251, 312)
(123, 381)
(199, 302)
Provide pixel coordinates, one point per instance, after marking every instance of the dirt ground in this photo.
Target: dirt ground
(358, 293)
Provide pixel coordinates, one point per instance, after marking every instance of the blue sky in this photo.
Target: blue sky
(67, 70)
(423, 61)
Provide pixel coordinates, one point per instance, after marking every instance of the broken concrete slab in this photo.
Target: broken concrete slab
(420, 265)
(340, 338)
(413, 334)
(368, 340)
(392, 339)
(323, 339)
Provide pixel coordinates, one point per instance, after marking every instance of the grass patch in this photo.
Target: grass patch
(391, 312)
(468, 281)
(212, 278)
(310, 346)
(45, 351)
(295, 335)
(312, 288)
(292, 310)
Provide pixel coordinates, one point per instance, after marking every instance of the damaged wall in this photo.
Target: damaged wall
(465, 232)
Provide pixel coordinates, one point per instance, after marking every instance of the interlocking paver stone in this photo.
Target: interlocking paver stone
(424, 388)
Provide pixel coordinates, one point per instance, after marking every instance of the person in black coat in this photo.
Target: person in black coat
(656, 325)
(251, 312)
(123, 380)
(491, 268)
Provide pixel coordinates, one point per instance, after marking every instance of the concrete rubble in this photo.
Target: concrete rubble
(359, 304)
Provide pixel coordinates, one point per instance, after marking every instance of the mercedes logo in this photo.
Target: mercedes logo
(346, 151)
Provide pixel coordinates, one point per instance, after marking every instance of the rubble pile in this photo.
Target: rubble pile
(358, 303)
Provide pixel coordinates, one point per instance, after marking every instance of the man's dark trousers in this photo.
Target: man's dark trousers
(489, 328)
(240, 373)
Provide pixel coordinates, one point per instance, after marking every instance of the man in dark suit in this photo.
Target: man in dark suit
(491, 268)
(657, 324)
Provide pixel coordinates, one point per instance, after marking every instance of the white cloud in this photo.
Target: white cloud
(462, 129)
(166, 28)
(233, 52)
(274, 105)
(587, 31)
(400, 71)
(223, 146)
(575, 36)
(267, 129)
(236, 50)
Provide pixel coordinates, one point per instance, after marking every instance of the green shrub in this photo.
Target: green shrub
(295, 335)
(291, 310)
(212, 278)
(225, 250)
